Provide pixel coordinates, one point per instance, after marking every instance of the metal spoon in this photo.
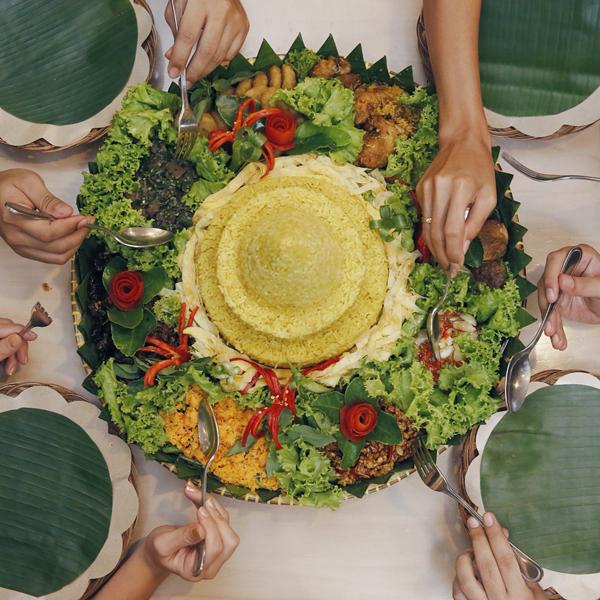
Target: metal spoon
(208, 440)
(518, 373)
(433, 322)
(132, 237)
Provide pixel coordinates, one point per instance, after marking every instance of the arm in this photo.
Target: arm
(462, 174)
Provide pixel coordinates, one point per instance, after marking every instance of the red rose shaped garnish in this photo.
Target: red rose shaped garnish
(357, 420)
(280, 130)
(126, 289)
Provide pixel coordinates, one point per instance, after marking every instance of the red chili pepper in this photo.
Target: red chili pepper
(267, 374)
(239, 116)
(321, 366)
(423, 248)
(357, 420)
(152, 372)
(217, 142)
(280, 128)
(262, 114)
(126, 289)
(251, 383)
(253, 424)
(269, 157)
(274, 414)
(216, 133)
(178, 355)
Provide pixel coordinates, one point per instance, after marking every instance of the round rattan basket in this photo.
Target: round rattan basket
(507, 132)
(469, 453)
(14, 389)
(41, 145)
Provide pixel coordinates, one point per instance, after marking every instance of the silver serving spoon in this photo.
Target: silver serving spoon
(132, 237)
(208, 440)
(518, 372)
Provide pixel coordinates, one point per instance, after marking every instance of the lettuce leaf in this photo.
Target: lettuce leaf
(412, 155)
(166, 309)
(461, 400)
(211, 166)
(398, 217)
(302, 61)
(306, 474)
(330, 128)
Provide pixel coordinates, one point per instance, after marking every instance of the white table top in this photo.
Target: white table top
(399, 543)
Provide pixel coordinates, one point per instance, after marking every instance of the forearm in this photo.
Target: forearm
(136, 579)
(452, 28)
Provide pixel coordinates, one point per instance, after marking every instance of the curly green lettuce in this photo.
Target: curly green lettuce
(167, 308)
(306, 474)
(329, 107)
(461, 399)
(302, 61)
(412, 155)
(211, 166)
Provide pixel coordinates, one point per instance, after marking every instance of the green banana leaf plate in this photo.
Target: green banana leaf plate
(540, 474)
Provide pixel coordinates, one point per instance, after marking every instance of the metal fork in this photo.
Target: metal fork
(434, 479)
(187, 125)
(39, 318)
(511, 160)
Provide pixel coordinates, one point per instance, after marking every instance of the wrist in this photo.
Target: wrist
(147, 556)
(464, 130)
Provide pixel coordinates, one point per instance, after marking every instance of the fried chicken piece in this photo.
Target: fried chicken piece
(350, 80)
(380, 140)
(491, 272)
(378, 99)
(376, 459)
(378, 143)
(331, 67)
(494, 238)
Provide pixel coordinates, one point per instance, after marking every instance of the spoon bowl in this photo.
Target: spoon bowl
(518, 372)
(208, 440)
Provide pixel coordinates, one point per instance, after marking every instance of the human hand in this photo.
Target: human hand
(47, 241)
(174, 549)
(461, 176)
(219, 27)
(490, 570)
(580, 299)
(13, 347)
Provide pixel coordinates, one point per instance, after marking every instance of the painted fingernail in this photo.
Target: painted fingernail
(466, 246)
(473, 523)
(173, 72)
(488, 519)
(203, 512)
(550, 295)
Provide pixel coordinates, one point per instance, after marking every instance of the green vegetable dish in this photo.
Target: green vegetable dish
(295, 293)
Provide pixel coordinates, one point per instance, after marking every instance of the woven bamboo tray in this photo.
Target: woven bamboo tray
(507, 132)
(469, 453)
(41, 145)
(14, 389)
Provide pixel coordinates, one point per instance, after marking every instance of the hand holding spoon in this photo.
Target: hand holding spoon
(132, 237)
(518, 372)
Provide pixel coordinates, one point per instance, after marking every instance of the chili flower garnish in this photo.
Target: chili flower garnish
(282, 397)
(174, 355)
(126, 289)
(357, 420)
(280, 128)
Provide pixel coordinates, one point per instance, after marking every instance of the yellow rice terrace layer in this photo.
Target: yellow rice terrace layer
(290, 272)
(246, 469)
